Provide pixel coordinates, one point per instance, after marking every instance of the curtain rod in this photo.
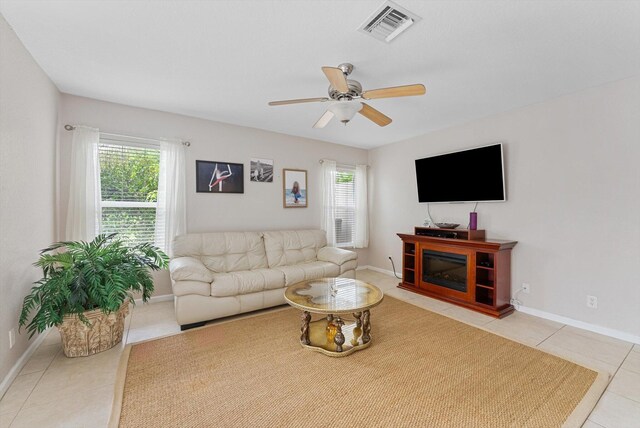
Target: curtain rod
(322, 160)
(71, 128)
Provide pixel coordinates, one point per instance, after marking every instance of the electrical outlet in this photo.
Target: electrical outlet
(526, 288)
(12, 337)
(592, 302)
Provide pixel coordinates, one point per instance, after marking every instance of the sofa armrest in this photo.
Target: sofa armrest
(335, 255)
(184, 288)
(189, 269)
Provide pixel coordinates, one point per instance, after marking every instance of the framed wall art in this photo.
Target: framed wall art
(219, 177)
(262, 170)
(294, 183)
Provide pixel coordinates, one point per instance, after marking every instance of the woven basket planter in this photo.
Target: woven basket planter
(103, 332)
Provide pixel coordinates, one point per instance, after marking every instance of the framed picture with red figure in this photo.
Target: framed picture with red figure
(219, 177)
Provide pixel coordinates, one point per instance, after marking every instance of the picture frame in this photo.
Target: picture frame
(292, 196)
(261, 170)
(219, 177)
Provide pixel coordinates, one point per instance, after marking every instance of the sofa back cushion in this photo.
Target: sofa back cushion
(223, 251)
(290, 247)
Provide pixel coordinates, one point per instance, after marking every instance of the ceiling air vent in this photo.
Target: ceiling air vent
(388, 22)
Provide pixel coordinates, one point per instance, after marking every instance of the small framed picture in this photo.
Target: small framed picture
(294, 183)
(219, 177)
(262, 170)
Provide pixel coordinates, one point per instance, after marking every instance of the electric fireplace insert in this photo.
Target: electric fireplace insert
(447, 270)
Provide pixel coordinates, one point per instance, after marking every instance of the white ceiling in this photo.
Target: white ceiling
(224, 60)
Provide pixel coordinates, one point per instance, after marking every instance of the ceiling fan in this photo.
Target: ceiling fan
(344, 96)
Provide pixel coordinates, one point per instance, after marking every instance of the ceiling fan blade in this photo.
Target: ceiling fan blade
(374, 115)
(336, 78)
(298, 101)
(324, 119)
(396, 91)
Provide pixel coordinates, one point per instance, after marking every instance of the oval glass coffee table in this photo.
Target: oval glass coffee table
(336, 334)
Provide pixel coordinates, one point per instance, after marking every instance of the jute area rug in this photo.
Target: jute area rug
(422, 370)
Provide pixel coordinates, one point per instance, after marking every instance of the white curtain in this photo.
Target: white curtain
(361, 237)
(171, 213)
(84, 213)
(328, 187)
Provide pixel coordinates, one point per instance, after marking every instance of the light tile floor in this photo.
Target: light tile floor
(55, 391)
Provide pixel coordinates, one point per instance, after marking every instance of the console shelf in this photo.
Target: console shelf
(459, 266)
(409, 263)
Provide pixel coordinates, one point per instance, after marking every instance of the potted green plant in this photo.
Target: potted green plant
(86, 289)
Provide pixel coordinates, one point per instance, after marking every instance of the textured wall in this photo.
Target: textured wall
(572, 187)
(28, 120)
(259, 208)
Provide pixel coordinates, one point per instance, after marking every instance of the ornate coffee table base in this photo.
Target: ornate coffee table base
(335, 299)
(351, 335)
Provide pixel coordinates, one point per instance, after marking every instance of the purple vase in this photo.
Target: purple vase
(473, 220)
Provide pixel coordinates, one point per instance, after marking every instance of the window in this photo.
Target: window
(129, 175)
(345, 206)
(344, 213)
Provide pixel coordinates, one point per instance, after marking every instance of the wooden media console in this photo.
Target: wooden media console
(459, 266)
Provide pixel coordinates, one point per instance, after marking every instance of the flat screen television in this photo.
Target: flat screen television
(473, 175)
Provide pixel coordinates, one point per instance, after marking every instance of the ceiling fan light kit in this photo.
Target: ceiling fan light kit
(344, 95)
(345, 110)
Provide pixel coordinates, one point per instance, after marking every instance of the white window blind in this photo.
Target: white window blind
(345, 205)
(129, 184)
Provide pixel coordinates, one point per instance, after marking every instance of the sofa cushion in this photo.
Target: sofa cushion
(291, 247)
(223, 251)
(306, 271)
(189, 269)
(347, 266)
(336, 255)
(245, 282)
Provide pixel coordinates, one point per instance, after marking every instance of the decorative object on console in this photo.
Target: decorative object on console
(294, 192)
(473, 220)
(262, 170)
(219, 177)
(86, 289)
(447, 225)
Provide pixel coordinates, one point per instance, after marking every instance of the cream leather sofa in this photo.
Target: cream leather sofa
(215, 275)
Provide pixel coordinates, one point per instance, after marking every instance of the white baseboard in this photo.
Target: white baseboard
(377, 269)
(155, 299)
(617, 334)
(17, 367)
(15, 370)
